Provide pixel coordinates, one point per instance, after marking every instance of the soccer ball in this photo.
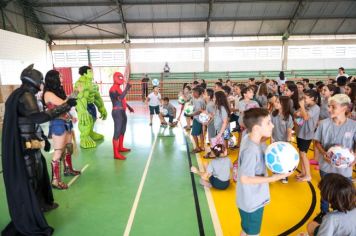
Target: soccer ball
(164, 111)
(203, 118)
(227, 134)
(181, 100)
(188, 109)
(232, 142)
(281, 157)
(340, 157)
(299, 121)
(155, 82)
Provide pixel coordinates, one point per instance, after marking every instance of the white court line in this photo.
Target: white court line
(77, 176)
(139, 191)
(209, 198)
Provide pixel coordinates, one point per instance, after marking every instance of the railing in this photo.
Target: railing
(168, 88)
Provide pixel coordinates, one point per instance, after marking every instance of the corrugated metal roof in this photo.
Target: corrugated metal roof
(188, 18)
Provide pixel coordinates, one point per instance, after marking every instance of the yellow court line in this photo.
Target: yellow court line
(209, 197)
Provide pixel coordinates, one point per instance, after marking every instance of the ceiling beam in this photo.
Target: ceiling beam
(293, 21)
(161, 2)
(87, 24)
(29, 12)
(177, 20)
(94, 37)
(211, 4)
(122, 20)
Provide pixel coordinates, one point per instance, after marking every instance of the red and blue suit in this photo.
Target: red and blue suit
(119, 105)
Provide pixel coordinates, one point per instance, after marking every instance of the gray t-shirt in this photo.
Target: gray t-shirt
(281, 126)
(219, 116)
(329, 134)
(307, 130)
(246, 105)
(210, 107)
(324, 113)
(251, 197)
(339, 224)
(220, 168)
(198, 104)
(237, 100)
(262, 100)
(170, 109)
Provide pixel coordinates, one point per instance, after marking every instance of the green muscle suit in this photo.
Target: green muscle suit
(88, 97)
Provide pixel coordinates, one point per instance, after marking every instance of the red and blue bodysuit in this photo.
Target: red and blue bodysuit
(118, 113)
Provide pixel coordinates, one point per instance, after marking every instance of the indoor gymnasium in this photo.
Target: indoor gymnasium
(166, 117)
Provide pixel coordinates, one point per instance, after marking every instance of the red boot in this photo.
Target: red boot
(121, 145)
(117, 154)
(56, 176)
(68, 167)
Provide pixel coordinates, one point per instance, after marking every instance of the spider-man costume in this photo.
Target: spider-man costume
(118, 113)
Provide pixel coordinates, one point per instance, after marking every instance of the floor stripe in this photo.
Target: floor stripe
(139, 192)
(195, 194)
(307, 215)
(77, 176)
(211, 204)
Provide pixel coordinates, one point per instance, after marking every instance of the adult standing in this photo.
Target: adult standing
(60, 130)
(26, 179)
(144, 85)
(119, 105)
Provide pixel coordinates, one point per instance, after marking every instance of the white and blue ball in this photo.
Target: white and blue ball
(281, 157)
(155, 82)
(340, 157)
(203, 117)
(164, 111)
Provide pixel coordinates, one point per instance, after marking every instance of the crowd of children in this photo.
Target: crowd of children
(323, 113)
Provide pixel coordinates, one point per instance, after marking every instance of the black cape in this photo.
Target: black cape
(26, 215)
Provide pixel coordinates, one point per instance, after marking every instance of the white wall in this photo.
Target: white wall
(17, 52)
(152, 60)
(245, 58)
(308, 57)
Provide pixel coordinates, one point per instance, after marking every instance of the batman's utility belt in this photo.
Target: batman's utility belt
(34, 144)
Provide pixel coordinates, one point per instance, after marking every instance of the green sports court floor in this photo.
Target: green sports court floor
(148, 194)
(154, 193)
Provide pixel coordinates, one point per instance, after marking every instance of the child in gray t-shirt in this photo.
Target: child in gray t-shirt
(336, 130)
(340, 192)
(308, 116)
(217, 173)
(252, 191)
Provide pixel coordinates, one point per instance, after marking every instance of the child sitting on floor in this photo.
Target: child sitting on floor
(217, 173)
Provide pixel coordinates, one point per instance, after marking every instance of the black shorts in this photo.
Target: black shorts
(303, 145)
(154, 110)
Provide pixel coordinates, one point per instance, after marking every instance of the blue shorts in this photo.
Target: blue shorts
(197, 128)
(218, 184)
(59, 126)
(154, 110)
(170, 118)
(251, 221)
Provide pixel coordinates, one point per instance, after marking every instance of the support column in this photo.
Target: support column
(284, 55)
(128, 57)
(206, 57)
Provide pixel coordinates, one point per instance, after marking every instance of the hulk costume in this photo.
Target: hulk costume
(88, 98)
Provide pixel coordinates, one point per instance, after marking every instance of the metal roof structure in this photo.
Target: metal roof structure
(108, 19)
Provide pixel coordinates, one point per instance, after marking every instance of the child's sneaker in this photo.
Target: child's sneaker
(313, 162)
(284, 181)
